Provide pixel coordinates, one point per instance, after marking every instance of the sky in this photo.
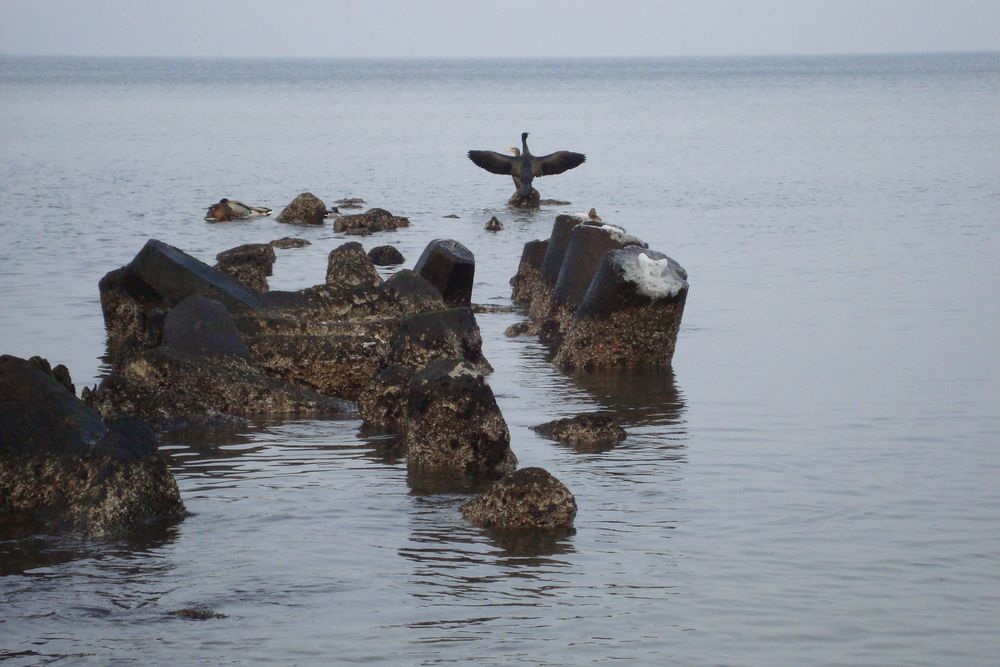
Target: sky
(489, 28)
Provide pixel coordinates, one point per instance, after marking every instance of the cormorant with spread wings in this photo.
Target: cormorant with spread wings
(525, 167)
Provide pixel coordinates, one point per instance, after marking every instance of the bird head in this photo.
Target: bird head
(515, 151)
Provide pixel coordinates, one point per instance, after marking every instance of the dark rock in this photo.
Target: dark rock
(385, 255)
(203, 327)
(451, 267)
(350, 202)
(414, 293)
(424, 337)
(289, 242)
(373, 220)
(588, 243)
(136, 298)
(553, 202)
(529, 499)
(630, 315)
(494, 225)
(525, 282)
(197, 614)
(452, 215)
(556, 249)
(452, 423)
(589, 430)
(517, 200)
(61, 374)
(305, 209)
(349, 266)
(250, 264)
(163, 275)
(62, 467)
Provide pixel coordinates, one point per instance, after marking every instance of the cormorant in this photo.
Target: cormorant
(525, 166)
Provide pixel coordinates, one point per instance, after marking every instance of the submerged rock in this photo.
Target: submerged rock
(451, 267)
(349, 202)
(290, 242)
(385, 255)
(62, 467)
(529, 499)
(250, 264)
(305, 209)
(369, 222)
(588, 430)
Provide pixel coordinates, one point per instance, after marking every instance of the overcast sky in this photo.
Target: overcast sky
(461, 28)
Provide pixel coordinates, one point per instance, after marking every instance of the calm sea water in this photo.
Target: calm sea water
(816, 482)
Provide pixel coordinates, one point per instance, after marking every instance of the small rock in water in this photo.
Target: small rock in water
(385, 255)
(305, 209)
(290, 242)
(372, 220)
(349, 202)
(553, 202)
(197, 614)
(494, 225)
(590, 429)
(529, 499)
(452, 215)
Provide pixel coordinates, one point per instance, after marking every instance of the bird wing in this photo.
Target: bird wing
(556, 163)
(496, 163)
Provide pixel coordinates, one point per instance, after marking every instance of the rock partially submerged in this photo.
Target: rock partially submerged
(305, 209)
(250, 264)
(599, 297)
(349, 202)
(369, 222)
(452, 424)
(385, 255)
(530, 201)
(589, 430)
(62, 467)
(188, 342)
(290, 242)
(529, 499)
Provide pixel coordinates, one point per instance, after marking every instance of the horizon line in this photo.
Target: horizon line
(825, 54)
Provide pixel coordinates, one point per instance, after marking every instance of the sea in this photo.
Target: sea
(816, 481)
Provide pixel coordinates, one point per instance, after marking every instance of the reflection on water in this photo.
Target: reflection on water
(640, 397)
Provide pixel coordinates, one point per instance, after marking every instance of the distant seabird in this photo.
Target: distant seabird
(523, 166)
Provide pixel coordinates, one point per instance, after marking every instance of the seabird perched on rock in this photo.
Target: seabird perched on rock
(230, 209)
(523, 166)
